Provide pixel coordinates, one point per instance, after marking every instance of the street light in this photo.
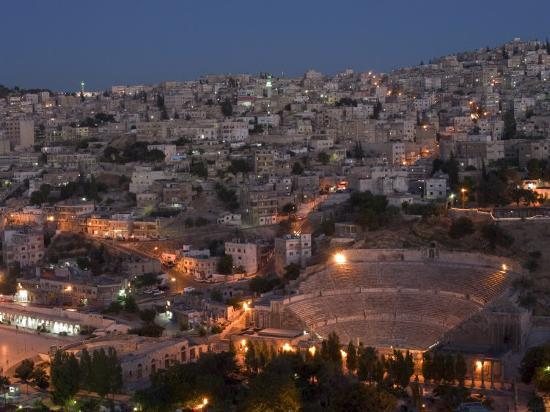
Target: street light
(340, 258)
(201, 405)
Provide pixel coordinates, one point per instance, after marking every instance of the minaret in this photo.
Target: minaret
(268, 86)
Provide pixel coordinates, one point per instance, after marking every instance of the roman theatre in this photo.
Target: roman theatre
(406, 299)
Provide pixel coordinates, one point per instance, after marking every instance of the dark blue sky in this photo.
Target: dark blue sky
(56, 43)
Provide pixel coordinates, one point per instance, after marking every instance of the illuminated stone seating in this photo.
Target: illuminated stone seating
(420, 306)
(396, 298)
(386, 334)
(478, 282)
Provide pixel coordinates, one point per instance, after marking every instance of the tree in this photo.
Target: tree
(198, 168)
(292, 271)
(427, 366)
(330, 349)
(106, 372)
(495, 235)
(358, 152)
(369, 365)
(24, 371)
(460, 369)
(273, 392)
(297, 168)
(289, 208)
(542, 378)
(452, 396)
(8, 285)
(351, 358)
(228, 196)
(357, 397)
(4, 383)
(65, 376)
(225, 265)
(461, 227)
(40, 377)
(323, 158)
(449, 371)
(400, 368)
(239, 166)
(148, 315)
(534, 358)
(85, 370)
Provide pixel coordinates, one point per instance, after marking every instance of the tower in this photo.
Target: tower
(268, 86)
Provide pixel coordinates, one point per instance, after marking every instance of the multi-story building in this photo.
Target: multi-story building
(295, 248)
(259, 206)
(201, 267)
(264, 162)
(63, 286)
(122, 227)
(24, 246)
(435, 188)
(20, 133)
(245, 255)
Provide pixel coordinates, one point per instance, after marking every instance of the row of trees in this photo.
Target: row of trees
(133, 152)
(227, 196)
(372, 211)
(492, 233)
(98, 372)
(535, 367)
(83, 187)
(27, 372)
(444, 368)
(277, 381)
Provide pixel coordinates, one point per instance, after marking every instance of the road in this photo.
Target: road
(18, 345)
(200, 236)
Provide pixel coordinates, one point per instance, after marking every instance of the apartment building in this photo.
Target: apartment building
(259, 206)
(245, 255)
(295, 248)
(23, 246)
(19, 132)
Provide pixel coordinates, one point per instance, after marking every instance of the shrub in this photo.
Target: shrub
(461, 227)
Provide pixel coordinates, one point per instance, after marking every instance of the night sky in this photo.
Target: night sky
(56, 43)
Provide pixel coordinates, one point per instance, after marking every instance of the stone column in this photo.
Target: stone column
(473, 373)
(492, 374)
(483, 374)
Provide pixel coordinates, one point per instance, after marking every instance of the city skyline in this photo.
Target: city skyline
(144, 45)
(257, 207)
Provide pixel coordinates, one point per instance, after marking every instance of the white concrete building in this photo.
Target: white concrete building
(245, 255)
(294, 248)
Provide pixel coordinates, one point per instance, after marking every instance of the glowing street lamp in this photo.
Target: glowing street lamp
(201, 405)
(340, 258)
